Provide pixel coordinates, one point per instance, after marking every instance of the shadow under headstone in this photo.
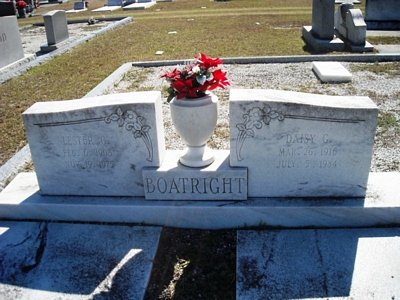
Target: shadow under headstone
(51, 260)
(298, 264)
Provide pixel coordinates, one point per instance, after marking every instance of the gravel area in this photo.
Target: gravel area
(382, 88)
(35, 36)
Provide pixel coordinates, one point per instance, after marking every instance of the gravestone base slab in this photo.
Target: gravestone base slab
(15, 65)
(174, 181)
(320, 45)
(362, 48)
(383, 25)
(21, 200)
(46, 48)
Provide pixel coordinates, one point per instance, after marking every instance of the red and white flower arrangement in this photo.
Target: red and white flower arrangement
(194, 79)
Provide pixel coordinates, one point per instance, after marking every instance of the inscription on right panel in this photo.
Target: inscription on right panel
(302, 145)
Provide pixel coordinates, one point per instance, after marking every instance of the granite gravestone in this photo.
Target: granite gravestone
(7, 9)
(382, 14)
(323, 19)
(79, 5)
(96, 146)
(302, 145)
(115, 3)
(10, 41)
(56, 26)
(320, 35)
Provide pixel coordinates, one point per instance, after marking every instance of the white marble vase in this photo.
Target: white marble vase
(194, 120)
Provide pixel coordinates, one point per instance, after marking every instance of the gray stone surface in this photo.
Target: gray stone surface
(56, 26)
(114, 3)
(331, 71)
(318, 264)
(302, 145)
(323, 19)
(10, 41)
(173, 181)
(96, 146)
(79, 5)
(356, 27)
(321, 45)
(41, 260)
(21, 200)
(378, 10)
(7, 8)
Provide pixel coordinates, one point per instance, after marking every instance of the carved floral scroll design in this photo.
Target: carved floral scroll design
(135, 123)
(254, 119)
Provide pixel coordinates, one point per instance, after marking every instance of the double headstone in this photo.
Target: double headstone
(10, 41)
(283, 144)
(56, 26)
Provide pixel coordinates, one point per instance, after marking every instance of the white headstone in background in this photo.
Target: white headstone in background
(96, 146)
(10, 41)
(302, 145)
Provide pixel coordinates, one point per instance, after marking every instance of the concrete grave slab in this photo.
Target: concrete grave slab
(96, 146)
(173, 181)
(302, 145)
(138, 6)
(318, 264)
(10, 41)
(106, 8)
(43, 260)
(21, 200)
(331, 71)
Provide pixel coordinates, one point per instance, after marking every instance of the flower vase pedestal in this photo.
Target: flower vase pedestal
(194, 120)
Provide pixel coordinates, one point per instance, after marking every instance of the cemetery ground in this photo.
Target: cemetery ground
(194, 264)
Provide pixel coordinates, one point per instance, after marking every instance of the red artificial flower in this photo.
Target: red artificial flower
(172, 75)
(194, 79)
(208, 62)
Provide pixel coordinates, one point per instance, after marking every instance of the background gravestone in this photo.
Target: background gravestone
(56, 26)
(382, 14)
(7, 9)
(10, 41)
(302, 145)
(323, 12)
(115, 3)
(96, 146)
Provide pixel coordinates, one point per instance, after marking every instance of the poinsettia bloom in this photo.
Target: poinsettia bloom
(174, 74)
(208, 62)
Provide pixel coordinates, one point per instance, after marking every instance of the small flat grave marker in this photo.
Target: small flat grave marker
(331, 72)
